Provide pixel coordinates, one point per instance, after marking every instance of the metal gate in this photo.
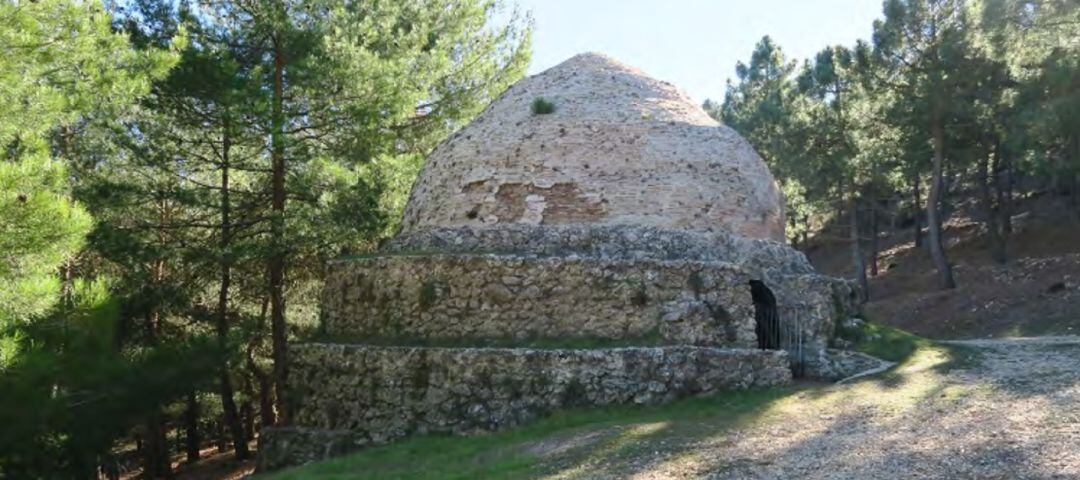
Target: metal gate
(776, 328)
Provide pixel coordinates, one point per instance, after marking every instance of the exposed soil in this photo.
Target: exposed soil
(212, 464)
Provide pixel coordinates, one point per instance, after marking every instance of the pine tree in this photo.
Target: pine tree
(62, 66)
(920, 42)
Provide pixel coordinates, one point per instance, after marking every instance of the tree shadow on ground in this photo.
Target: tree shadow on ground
(941, 414)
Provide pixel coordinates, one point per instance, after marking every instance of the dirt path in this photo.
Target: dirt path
(973, 409)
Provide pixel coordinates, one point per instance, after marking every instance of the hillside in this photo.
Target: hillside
(1037, 292)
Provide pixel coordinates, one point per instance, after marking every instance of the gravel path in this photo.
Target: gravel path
(987, 409)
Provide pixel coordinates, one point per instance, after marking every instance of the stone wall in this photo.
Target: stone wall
(349, 396)
(440, 297)
(810, 307)
(426, 299)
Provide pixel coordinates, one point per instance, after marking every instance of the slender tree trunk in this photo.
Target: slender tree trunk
(997, 244)
(221, 437)
(917, 230)
(228, 403)
(192, 442)
(875, 244)
(67, 272)
(948, 181)
(1004, 215)
(265, 384)
(1008, 205)
(247, 412)
(1076, 175)
(857, 261)
(157, 461)
(277, 255)
(266, 401)
(933, 218)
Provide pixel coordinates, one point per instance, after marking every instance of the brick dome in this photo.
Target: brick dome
(620, 148)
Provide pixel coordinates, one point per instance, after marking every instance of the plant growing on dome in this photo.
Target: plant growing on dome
(540, 106)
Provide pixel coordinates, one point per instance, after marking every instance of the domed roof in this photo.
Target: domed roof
(619, 148)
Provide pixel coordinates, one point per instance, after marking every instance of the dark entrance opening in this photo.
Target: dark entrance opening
(767, 319)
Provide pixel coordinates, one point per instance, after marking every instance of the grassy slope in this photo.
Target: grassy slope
(515, 453)
(573, 440)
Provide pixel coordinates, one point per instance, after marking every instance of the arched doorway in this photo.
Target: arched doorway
(767, 319)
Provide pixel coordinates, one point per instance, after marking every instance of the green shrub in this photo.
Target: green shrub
(542, 107)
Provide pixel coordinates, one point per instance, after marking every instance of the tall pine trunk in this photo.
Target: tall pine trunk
(857, 261)
(1076, 175)
(277, 255)
(156, 459)
(917, 197)
(933, 217)
(265, 383)
(875, 244)
(228, 402)
(247, 410)
(997, 243)
(1002, 191)
(192, 442)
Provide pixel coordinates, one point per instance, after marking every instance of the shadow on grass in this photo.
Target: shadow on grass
(563, 440)
(899, 346)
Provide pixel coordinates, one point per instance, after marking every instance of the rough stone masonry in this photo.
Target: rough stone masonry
(624, 248)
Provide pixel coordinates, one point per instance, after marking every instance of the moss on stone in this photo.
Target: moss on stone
(429, 293)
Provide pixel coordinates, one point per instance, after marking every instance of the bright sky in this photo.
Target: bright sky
(693, 44)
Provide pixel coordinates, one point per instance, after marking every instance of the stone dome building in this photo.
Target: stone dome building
(622, 248)
(621, 148)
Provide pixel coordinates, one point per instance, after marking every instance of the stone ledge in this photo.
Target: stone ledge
(630, 242)
(349, 396)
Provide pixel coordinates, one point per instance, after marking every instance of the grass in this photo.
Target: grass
(888, 343)
(515, 453)
(540, 106)
(895, 345)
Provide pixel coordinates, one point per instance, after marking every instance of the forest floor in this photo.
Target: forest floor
(1037, 292)
(212, 464)
(969, 409)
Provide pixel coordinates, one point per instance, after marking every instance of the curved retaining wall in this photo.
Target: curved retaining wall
(349, 396)
(433, 299)
(489, 297)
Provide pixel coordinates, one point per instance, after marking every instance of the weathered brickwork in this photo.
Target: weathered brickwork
(620, 148)
(349, 396)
